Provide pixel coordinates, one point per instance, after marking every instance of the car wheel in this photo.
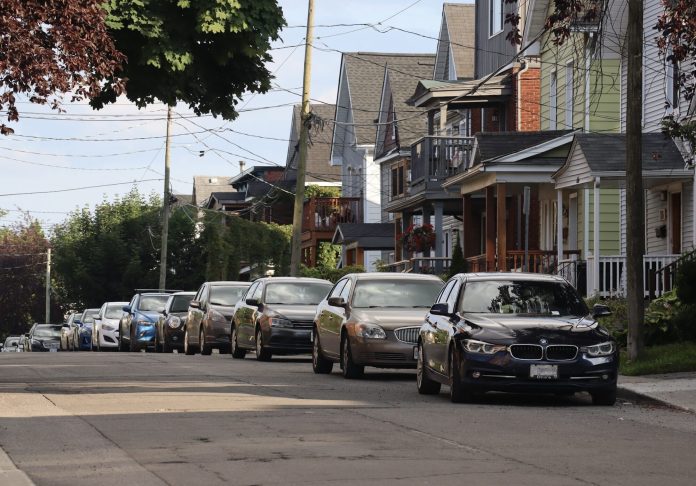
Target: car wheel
(459, 392)
(121, 343)
(165, 347)
(320, 364)
(188, 349)
(158, 346)
(237, 352)
(606, 397)
(206, 349)
(98, 344)
(425, 385)
(262, 352)
(348, 367)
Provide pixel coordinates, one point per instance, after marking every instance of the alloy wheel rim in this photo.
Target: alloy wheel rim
(258, 343)
(186, 344)
(234, 339)
(344, 354)
(201, 339)
(315, 352)
(419, 367)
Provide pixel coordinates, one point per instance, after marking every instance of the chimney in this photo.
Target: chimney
(241, 166)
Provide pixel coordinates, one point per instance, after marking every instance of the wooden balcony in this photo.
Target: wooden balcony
(320, 217)
(433, 159)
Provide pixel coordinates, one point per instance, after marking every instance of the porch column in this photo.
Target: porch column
(559, 226)
(439, 235)
(466, 208)
(501, 229)
(490, 228)
(427, 212)
(443, 118)
(595, 245)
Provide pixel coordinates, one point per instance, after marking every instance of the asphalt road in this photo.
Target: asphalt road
(148, 419)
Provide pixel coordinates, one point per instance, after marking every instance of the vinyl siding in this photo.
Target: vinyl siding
(653, 205)
(442, 60)
(496, 51)
(609, 221)
(578, 170)
(654, 73)
(688, 217)
(605, 97)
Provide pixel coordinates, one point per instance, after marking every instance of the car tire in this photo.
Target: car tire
(98, 345)
(425, 385)
(348, 367)
(237, 352)
(206, 349)
(121, 343)
(459, 392)
(165, 347)
(320, 364)
(605, 398)
(262, 352)
(188, 349)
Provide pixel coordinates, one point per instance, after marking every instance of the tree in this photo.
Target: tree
(52, 47)
(23, 249)
(205, 53)
(459, 264)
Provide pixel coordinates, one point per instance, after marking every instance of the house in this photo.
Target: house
(267, 194)
(361, 79)
(357, 238)
(204, 186)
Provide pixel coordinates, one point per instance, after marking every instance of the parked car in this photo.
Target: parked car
(372, 319)
(105, 326)
(12, 345)
(82, 333)
(275, 316)
(44, 337)
(66, 332)
(515, 332)
(24, 342)
(137, 324)
(208, 323)
(169, 333)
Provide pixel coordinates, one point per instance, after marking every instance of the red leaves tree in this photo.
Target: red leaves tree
(52, 47)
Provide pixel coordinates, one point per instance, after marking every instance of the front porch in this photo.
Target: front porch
(320, 217)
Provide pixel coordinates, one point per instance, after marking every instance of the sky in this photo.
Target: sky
(53, 151)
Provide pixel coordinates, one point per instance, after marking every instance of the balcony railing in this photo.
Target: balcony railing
(433, 159)
(325, 213)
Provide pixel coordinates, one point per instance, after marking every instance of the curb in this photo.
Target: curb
(10, 474)
(629, 394)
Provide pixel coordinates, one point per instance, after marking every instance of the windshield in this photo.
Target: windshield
(226, 295)
(395, 293)
(153, 303)
(180, 303)
(89, 315)
(114, 311)
(296, 293)
(52, 331)
(522, 297)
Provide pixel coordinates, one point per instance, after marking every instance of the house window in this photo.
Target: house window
(553, 100)
(495, 17)
(569, 94)
(465, 124)
(672, 84)
(397, 181)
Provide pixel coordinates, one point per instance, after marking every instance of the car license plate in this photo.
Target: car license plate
(415, 352)
(543, 372)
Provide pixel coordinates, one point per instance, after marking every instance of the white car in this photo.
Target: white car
(12, 345)
(105, 326)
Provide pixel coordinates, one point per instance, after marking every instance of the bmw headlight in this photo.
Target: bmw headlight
(370, 331)
(473, 346)
(603, 349)
(280, 322)
(174, 322)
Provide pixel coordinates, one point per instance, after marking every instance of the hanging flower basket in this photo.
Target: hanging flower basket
(418, 239)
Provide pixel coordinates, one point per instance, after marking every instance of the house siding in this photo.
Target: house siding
(688, 242)
(496, 51)
(609, 219)
(653, 205)
(442, 59)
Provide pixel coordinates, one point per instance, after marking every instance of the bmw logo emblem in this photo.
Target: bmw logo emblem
(543, 341)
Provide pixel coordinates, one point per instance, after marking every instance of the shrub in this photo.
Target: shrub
(660, 319)
(617, 322)
(331, 274)
(686, 282)
(459, 263)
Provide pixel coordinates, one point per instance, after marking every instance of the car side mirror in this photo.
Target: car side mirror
(599, 310)
(126, 308)
(442, 309)
(196, 304)
(253, 302)
(336, 302)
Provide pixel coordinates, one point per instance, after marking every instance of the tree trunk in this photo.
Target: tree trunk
(635, 208)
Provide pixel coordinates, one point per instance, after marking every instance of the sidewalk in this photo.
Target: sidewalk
(676, 390)
(9, 474)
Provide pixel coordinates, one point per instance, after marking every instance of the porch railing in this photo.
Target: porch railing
(612, 275)
(663, 279)
(433, 159)
(431, 265)
(325, 213)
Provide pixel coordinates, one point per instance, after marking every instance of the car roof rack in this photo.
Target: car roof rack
(166, 291)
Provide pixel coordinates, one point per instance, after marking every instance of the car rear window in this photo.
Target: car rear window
(395, 293)
(522, 297)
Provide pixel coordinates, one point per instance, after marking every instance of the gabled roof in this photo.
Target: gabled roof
(457, 39)
(203, 186)
(375, 236)
(604, 156)
(398, 87)
(319, 151)
(364, 74)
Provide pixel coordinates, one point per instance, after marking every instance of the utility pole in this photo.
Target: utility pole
(165, 205)
(48, 287)
(635, 209)
(296, 241)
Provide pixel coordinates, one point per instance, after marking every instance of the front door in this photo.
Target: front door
(675, 222)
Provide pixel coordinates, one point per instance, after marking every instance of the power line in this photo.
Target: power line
(78, 188)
